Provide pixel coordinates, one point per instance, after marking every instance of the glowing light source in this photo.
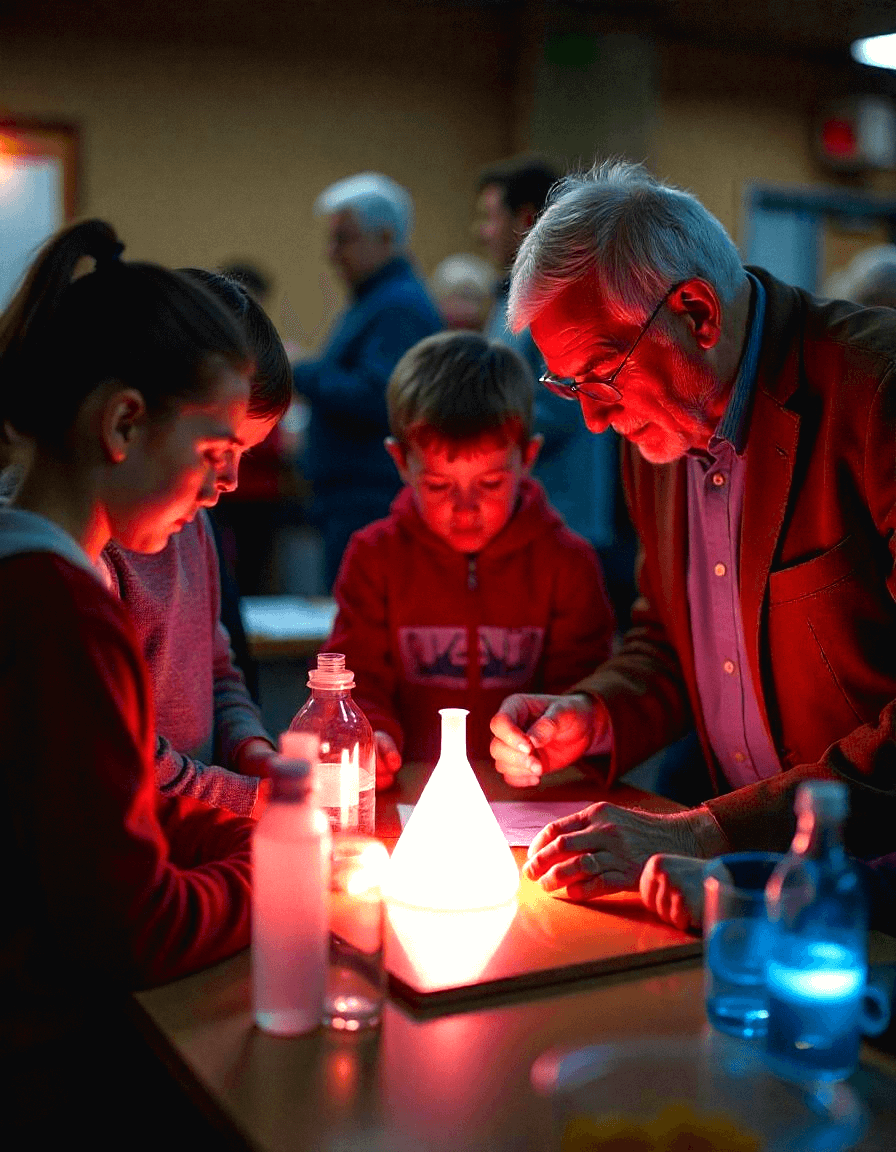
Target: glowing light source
(878, 51)
(449, 949)
(452, 855)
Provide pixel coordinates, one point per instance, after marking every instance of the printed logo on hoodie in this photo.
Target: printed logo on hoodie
(438, 657)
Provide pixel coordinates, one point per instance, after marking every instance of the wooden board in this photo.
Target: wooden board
(439, 960)
(444, 959)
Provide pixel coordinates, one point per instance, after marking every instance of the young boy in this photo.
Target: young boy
(473, 587)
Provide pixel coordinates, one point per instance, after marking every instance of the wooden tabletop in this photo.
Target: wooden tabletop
(460, 1082)
(450, 1080)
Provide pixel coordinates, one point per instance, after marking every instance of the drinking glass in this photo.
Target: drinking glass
(356, 975)
(736, 939)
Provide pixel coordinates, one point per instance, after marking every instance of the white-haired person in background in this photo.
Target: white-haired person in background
(869, 279)
(462, 287)
(353, 481)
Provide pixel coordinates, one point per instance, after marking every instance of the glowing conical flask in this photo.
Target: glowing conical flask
(452, 854)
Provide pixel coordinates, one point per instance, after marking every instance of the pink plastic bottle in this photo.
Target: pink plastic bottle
(291, 880)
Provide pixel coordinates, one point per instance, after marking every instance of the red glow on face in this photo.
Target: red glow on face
(465, 497)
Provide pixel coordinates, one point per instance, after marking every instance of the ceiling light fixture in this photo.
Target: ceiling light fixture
(878, 51)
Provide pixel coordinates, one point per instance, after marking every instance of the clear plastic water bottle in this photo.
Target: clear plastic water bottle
(290, 890)
(818, 951)
(345, 771)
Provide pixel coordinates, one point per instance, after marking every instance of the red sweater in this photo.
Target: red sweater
(424, 627)
(107, 882)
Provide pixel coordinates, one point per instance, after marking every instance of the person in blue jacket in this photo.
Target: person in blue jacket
(352, 479)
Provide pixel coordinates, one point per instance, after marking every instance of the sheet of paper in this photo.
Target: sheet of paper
(520, 820)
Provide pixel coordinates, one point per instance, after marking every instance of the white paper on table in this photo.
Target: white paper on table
(520, 820)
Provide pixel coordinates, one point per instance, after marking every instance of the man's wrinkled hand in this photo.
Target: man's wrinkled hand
(672, 888)
(604, 849)
(388, 760)
(534, 734)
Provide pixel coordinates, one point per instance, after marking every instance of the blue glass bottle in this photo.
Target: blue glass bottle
(819, 932)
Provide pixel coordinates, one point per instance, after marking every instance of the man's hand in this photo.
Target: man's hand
(604, 849)
(388, 760)
(672, 888)
(537, 734)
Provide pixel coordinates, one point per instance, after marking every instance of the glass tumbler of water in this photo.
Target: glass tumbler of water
(356, 976)
(736, 942)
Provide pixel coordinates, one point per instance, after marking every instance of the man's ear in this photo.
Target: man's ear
(399, 456)
(123, 411)
(530, 452)
(697, 302)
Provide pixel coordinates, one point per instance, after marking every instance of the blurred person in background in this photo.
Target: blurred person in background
(512, 193)
(869, 279)
(462, 287)
(353, 481)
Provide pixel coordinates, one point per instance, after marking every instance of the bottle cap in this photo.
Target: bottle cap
(827, 798)
(331, 672)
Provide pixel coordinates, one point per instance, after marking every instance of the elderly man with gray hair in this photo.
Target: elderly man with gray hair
(759, 426)
(369, 219)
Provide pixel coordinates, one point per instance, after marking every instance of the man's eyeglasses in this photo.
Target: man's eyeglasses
(593, 384)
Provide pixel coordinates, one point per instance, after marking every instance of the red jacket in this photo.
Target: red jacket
(108, 883)
(817, 579)
(424, 627)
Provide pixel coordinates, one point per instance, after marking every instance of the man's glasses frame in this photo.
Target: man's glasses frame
(603, 389)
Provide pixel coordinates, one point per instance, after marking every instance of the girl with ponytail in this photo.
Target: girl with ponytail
(211, 741)
(127, 383)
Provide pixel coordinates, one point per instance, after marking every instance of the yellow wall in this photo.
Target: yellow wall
(729, 118)
(201, 155)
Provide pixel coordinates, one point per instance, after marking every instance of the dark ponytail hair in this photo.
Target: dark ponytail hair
(272, 379)
(145, 326)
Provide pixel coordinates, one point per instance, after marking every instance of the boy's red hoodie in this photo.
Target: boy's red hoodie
(424, 627)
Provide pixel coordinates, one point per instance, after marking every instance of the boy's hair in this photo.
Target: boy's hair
(271, 390)
(459, 387)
